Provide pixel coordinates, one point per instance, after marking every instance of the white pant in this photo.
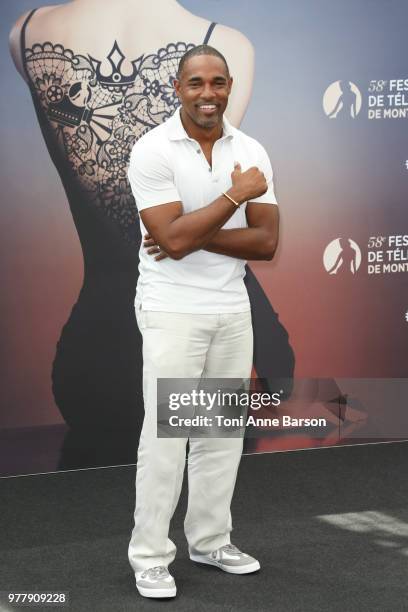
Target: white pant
(177, 345)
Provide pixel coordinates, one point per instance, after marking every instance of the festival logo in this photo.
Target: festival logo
(342, 256)
(342, 99)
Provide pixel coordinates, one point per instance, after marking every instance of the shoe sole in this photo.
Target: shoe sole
(230, 569)
(146, 592)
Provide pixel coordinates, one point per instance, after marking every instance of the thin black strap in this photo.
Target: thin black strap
(22, 42)
(210, 29)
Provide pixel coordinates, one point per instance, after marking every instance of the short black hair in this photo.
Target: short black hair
(200, 50)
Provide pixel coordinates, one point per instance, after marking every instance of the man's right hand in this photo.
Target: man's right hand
(247, 185)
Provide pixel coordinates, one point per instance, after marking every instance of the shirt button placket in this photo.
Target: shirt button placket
(214, 174)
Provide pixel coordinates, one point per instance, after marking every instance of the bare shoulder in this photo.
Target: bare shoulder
(15, 36)
(14, 43)
(231, 41)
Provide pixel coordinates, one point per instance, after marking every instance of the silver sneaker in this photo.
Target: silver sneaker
(230, 559)
(156, 582)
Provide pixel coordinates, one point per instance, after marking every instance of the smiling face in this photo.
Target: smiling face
(203, 90)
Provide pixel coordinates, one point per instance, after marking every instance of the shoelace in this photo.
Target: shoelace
(157, 572)
(231, 548)
(228, 548)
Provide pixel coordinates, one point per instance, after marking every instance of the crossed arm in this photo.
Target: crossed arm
(258, 241)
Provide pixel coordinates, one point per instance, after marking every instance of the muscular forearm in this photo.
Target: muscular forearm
(192, 231)
(249, 243)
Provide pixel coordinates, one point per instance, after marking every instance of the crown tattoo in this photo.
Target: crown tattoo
(116, 80)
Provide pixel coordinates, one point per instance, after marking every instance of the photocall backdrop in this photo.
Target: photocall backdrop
(330, 105)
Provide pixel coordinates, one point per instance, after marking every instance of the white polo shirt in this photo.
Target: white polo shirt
(166, 165)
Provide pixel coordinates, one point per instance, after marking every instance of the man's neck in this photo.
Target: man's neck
(205, 136)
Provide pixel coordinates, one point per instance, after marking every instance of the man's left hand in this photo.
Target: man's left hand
(153, 248)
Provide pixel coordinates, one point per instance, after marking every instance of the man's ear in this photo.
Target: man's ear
(176, 85)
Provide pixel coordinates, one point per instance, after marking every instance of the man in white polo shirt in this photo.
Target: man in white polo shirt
(205, 195)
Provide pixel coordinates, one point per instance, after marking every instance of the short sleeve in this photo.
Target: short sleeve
(264, 165)
(151, 177)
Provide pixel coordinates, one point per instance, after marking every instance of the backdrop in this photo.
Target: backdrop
(330, 105)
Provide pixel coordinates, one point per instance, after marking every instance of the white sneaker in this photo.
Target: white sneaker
(156, 582)
(230, 559)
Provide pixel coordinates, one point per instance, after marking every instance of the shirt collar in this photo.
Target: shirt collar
(176, 131)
